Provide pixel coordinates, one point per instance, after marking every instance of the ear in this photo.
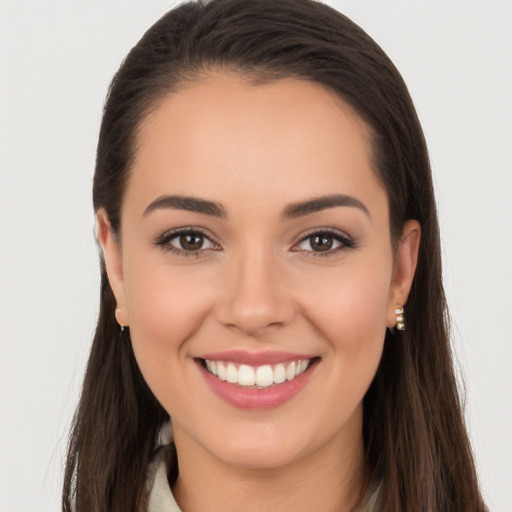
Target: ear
(404, 268)
(113, 264)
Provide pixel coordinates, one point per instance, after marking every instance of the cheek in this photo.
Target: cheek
(350, 313)
(162, 298)
(353, 323)
(353, 305)
(165, 307)
(164, 310)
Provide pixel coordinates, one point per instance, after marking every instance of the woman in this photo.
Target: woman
(271, 278)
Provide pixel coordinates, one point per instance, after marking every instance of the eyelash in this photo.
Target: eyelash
(164, 241)
(346, 242)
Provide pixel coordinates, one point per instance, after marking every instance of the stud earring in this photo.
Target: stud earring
(400, 322)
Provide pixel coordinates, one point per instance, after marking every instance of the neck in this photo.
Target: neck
(330, 479)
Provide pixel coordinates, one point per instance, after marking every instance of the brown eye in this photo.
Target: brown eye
(185, 242)
(191, 241)
(320, 243)
(325, 243)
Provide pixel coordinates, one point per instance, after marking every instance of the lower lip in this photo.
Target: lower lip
(257, 399)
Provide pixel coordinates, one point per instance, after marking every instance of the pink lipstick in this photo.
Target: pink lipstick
(256, 381)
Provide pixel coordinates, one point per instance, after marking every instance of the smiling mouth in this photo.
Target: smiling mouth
(257, 377)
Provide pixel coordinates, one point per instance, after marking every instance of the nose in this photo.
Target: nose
(255, 295)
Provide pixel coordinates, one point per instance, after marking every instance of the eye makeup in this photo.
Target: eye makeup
(186, 241)
(194, 241)
(326, 241)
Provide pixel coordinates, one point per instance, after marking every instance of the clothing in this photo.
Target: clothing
(160, 498)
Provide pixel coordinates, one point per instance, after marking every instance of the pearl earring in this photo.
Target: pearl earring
(400, 322)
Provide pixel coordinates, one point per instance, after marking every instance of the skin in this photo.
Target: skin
(256, 149)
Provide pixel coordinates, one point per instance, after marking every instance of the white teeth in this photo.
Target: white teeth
(246, 375)
(260, 376)
(232, 373)
(221, 371)
(279, 374)
(290, 371)
(264, 376)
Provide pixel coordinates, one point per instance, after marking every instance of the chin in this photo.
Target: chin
(258, 451)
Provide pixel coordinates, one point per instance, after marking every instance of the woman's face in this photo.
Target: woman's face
(255, 235)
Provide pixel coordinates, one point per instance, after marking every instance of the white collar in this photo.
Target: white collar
(160, 498)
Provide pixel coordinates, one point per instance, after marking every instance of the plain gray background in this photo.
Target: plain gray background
(56, 60)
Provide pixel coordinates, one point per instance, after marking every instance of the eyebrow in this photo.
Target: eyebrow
(192, 204)
(292, 211)
(322, 203)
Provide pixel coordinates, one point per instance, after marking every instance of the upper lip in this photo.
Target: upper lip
(255, 358)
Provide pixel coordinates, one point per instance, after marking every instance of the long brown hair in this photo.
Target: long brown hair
(414, 434)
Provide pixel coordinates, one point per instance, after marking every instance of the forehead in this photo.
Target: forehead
(226, 137)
